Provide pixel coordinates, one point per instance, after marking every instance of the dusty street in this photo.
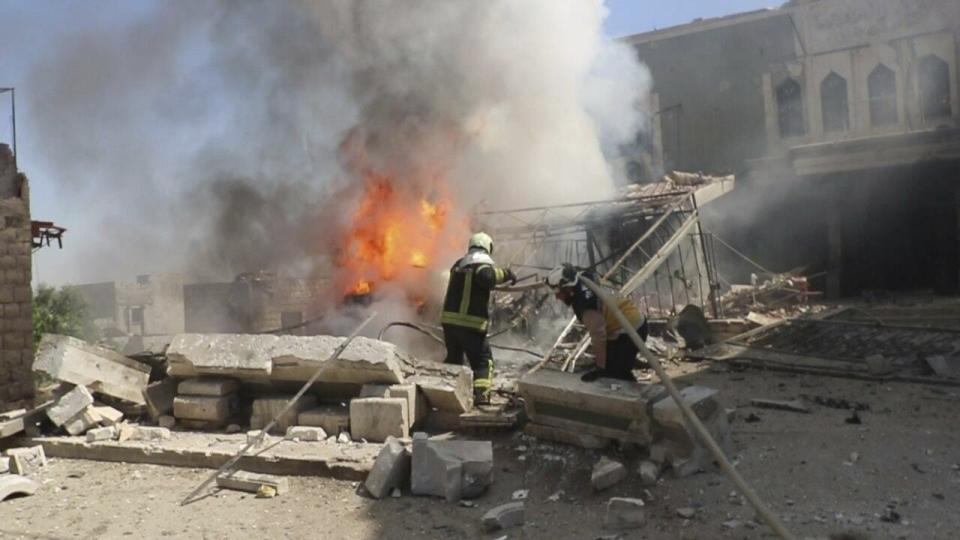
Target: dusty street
(895, 475)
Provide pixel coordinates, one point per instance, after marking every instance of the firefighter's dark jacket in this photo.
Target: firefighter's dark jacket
(467, 302)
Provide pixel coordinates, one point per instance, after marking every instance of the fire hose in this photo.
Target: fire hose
(692, 420)
(438, 339)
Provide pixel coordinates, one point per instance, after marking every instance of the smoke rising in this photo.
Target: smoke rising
(208, 137)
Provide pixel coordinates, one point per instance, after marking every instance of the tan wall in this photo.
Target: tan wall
(16, 314)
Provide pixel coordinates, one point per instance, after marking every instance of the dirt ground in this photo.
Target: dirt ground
(894, 475)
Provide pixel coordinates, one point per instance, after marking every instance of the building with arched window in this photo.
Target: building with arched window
(834, 108)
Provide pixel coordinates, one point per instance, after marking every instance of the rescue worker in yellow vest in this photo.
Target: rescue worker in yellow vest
(466, 314)
(613, 350)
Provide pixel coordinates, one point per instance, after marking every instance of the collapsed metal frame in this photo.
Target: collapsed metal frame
(647, 243)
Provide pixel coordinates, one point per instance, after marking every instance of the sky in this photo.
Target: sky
(31, 29)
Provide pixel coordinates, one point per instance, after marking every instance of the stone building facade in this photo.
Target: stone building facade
(16, 314)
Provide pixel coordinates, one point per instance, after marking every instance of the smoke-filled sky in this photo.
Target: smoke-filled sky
(198, 136)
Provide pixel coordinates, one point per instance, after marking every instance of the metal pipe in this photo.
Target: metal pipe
(692, 420)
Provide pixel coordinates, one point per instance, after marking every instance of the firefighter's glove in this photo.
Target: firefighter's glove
(509, 277)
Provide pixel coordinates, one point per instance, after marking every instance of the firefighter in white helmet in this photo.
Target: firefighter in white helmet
(613, 350)
(466, 313)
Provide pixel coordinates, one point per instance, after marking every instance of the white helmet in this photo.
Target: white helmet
(483, 241)
(563, 276)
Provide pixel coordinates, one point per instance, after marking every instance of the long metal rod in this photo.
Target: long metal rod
(323, 365)
(692, 420)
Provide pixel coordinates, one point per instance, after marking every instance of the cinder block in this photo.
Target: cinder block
(332, 418)
(374, 390)
(208, 387)
(107, 415)
(416, 403)
(69, 405)
(107, 433)
(265, 409)
(453, 470)
(375, 419)
(27, 460)
(79, 424)
(213, 409)
(306, 433)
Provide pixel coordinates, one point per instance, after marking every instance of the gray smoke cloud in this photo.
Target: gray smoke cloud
(210, 136)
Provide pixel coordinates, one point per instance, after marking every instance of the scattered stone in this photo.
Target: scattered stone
(396, 493)
(375, 419)
(624, 513)
(344, 438)
(147, 433)
(520, 494)
(167, 421)
(306, 433)
(84, 420)
(686, 512)
(265, 409)
(390, 470)
(607, 473)
(701, 399)
(451, 469)
(69, 406)
(208, 408)
(504, 516)
(793, 406)
(252, 482)
(76, 362)
(159, 397)
(208, 387)
(333, 419)
(233, 428)
(732, 524)
(556, 496)
(448, 394)
(107, 415)
(107, 433)
(649, 473)
(13, 484)
(26, 461)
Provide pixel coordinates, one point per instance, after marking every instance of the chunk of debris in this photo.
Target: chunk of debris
(607, 473)
(214, 387)
(148, 433)
(74, 361)
(306, 433)
(624, 513)
(416, 402)
(14, 422)
(451, 469)
(375, 419)
(207, 408)
(678, 447)
(84, 420)
(26, 460)
(390, 470)
(69, 405)
(447, 388)
(159, 397)
(649, 473)
(107, 415)
(794, 406)
(566, 436)
(266, 492)
(14, 484)
(332, 418)
(686, 512)
(942, 367)
(167, 421)
(107, 433)
(267, 408)
(252, 482)
(344, 438)
(504, 516)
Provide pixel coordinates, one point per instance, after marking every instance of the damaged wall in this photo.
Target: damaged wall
(16, 313)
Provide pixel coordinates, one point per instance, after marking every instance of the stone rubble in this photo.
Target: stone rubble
(607, 473)
(624, 513)
(390, 471)
(504, 516)
(453, 470)
(26, 461)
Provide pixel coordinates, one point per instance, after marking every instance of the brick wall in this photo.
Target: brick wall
(16, 314)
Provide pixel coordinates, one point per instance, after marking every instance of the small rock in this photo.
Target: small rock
(556, 496)
(102, 434)
(266, 492)
(732, 524)
(520, 494)
(503, 516)
(649, 472)
(254, 438)
(467, 504)
(344, 438)
(686, 512)
(607, 473)
(396, 493)
(854, 457)
(167, 421)
(624, 513)
(231, 429)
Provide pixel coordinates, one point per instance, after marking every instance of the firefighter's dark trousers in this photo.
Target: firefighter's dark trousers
(462, 341)
(622, 355)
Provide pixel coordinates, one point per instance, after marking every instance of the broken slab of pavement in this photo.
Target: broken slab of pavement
(453, 470)
(104, 371)
(252, 482)
(210, 451)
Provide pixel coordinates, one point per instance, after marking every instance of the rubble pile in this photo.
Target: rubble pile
(783, 296)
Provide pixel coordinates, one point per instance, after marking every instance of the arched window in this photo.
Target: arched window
(882, 88)
(934, 76)
(833, 98)
(790, 108)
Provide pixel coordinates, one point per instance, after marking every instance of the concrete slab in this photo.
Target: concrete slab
(605, 408)
(74, 361)
(107, 415)
(391, 470)
(447, 394)
(210, 451)
(15, 423)
(375, 419)
(69, 405)
(266, 408)
(212, 386)
(701, 399)
(208, 408)
(13, 485)
(251, 482)
(4, 465)
(332, 418)
(159, 397)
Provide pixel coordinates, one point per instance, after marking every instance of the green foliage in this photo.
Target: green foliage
(61, 311)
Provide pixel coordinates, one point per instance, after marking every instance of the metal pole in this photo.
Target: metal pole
(13, 123)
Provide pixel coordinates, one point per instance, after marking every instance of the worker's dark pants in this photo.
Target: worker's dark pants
(462, 341)
(622, 355)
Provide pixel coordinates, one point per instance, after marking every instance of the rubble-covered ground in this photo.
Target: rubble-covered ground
(896, 474)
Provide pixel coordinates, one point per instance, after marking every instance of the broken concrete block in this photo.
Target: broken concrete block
(624, 513)
(212, 409)
(4, 465)
(607, 408)
(13, 484)
(390, 470)
(344, 438)
(107, 433)
(701, 399)
(14, 422)
(69, 405)
(942, 367)
(566, 436)
(375, 419)
(306, 433)
(107, 415)
(147, 433)
(447, 388)
(373, 390)
(167, 421)
(416, 402)
(84, 420)
(265, 409)
(27, 460)
(332, 418)
(214, 387)
(649, 473)
(252, 482)
(504, 516)
(453, 470)
(125, 431)
(607, 473)
(74, 361)
(159, 397)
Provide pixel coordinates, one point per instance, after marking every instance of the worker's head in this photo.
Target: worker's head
(481, 240)
(562, 280)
